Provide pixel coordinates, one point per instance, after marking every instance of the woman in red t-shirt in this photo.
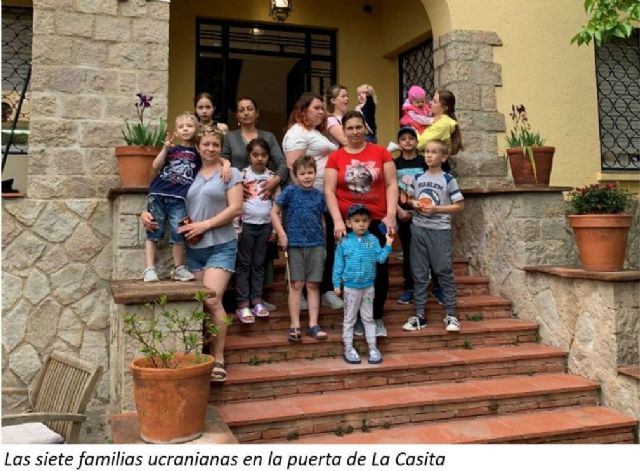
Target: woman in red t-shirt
(363, 173)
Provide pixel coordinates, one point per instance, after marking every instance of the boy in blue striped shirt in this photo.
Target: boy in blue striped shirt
(355, 268)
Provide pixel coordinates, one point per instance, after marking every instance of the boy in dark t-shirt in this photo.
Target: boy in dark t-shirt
(303, 239)
(177, 165)
(408, 165)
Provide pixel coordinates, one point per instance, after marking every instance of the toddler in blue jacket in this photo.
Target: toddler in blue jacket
(355, 268)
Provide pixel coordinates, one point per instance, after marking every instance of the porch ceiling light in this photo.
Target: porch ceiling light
(280, 9)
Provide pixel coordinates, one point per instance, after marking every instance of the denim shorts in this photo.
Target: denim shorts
(166, 208)
(222, 256)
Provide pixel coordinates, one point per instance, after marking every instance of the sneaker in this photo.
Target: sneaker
(351, 356)
(438, 294)
(375, 356)
(381, 330)
(150, 274)
(269, 306)
(406, 297)
(451, 324)
(415, 323)
(358, 329)
(304, 305)
(331, 300)
(182, 274)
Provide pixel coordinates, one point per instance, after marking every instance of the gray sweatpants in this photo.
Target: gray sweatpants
(359, 299)
(432, 250)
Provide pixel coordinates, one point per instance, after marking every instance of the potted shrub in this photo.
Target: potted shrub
(144, 142)
(530, 160)
(600, 226)
(171, 388)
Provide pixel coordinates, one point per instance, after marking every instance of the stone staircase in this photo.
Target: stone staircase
(490, 383)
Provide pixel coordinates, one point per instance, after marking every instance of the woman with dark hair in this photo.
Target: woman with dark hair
(235, 144)
(363, 173)
(306, 136)
(204, 109)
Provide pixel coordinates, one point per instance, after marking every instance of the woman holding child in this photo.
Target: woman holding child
(363, 173)
(212, 204)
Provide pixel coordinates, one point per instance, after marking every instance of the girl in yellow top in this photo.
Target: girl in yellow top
(444, 127)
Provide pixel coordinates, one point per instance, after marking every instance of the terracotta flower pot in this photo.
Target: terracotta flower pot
(171, 403)
(134, 165)
(601, 240)
(522, 170)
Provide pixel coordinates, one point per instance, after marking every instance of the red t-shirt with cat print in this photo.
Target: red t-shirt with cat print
(361, 178)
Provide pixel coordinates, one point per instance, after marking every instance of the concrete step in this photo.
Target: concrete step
(477, 307)
(311, 414)
(295, 377)
(587, 424)
(273, 346)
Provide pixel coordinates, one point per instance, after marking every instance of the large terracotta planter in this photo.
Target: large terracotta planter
(134, 165)
(171, 403)
(601, 240)
(522, 170)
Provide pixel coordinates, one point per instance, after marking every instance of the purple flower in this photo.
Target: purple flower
(145, 101)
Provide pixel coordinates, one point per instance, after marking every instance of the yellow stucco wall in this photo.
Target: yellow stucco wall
(540, 68)
(367, 43)
(543, 70)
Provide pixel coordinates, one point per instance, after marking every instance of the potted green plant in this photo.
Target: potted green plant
(529, 159)
(171, 388)
(144, 141)
(600, 225)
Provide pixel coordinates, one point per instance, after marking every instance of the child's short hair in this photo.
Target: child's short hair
(187, 115)
(260, 142)
(368, 89)
(209, 131)
(443, 146)
(304, 161)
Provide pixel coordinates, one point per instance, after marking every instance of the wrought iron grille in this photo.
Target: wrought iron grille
(222, 46)
(618, 78)
(16, 70)
(416, 68)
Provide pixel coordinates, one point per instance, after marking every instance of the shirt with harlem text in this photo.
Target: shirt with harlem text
(303, 215)
(434, 189)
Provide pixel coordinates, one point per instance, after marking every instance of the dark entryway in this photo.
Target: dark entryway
(274, 64)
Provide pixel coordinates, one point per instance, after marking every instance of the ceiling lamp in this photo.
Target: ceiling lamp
(280, 9)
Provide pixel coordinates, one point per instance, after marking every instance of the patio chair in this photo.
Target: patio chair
(57, 402)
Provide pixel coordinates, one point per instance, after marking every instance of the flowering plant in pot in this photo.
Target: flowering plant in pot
(144, 141)
(600, 225)
(530, 160)
(171, 387)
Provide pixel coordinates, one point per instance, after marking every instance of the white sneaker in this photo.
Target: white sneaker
(452, 324)
(381, 330)
(150, 274)
(182, 274)
(304, 305)
(331, 299)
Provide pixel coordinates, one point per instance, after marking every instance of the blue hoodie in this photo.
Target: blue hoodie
(355, 261)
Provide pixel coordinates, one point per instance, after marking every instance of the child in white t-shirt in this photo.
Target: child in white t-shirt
(256, 232)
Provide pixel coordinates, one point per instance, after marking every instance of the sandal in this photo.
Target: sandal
(294, 335)
(219, 373)
(259, 310)
(244, 315)
(317, 333)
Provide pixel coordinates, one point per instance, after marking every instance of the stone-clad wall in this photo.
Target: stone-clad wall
(90, 58)
(464, 64)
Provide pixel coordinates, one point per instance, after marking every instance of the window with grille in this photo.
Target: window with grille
(416, 68)
(618, 78)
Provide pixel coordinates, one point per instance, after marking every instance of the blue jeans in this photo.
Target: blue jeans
(222, 256)
(166, 208)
